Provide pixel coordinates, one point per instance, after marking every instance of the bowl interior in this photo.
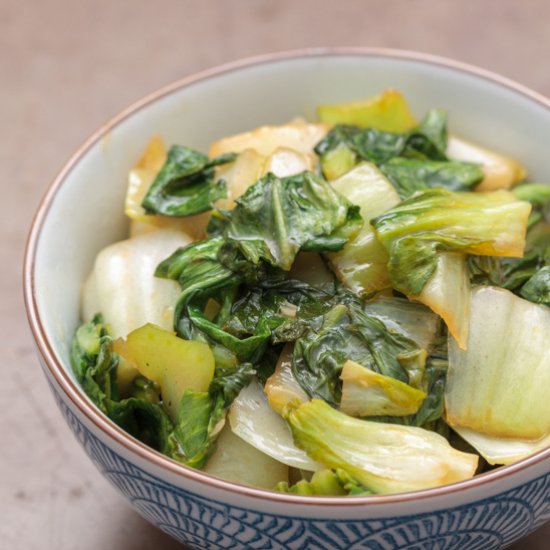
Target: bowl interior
(84, 210)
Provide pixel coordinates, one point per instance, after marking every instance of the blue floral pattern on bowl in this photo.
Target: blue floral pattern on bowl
(206, 524)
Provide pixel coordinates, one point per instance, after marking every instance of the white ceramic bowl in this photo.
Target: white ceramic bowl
(82, 212)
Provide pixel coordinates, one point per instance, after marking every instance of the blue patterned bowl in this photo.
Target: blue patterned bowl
(82, 212)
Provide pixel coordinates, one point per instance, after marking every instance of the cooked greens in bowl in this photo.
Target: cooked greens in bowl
(355, 306)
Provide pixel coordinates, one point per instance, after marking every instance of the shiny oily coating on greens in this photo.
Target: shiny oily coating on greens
(304, 309)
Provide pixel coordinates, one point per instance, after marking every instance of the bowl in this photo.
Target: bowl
(82, 212)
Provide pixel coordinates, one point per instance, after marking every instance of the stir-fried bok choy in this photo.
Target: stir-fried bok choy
(326, 309)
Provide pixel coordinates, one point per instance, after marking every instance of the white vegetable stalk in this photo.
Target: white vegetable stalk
(281, 387)
(250, 166)
(447, 293)
(499, 450)
(500, 172)
(252, 419)
(239, 176)
(123, 287)
(499, 386)
(362, 264)
(235, 460)
(287, 162)
(265, 140)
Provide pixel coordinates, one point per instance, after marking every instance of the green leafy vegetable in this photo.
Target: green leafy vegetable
(93, 363)
(145, 389)
(279, 353)
(269, 225)
(431, 135)
(144, 420)
(410, 319)
(200, 273)
(202, 415)
(412, 175)
(95, 367)
(191, 438)
(412, 161)
(437, 220)
(537, 288)
(428, 140)
(246, 349)
(175, 364)
(277, 217)
(369, 144)
(526, 276)
(185, 185)
(198, 270)
(433, 383)
(288, 307)
(348, 332)
(538, 194)
(192, 430)
(338, 161)
(509, 273)
(385, 458)
(431, 380)
(326, 483)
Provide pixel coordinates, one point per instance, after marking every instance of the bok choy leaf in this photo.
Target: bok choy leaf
(348, 332)
(385, 458)
(95, 366)
(527, 276)
(501, 450)
(412, 161)
(157, 355)
(411, 175)
(538, 194)
(428, 140)
(194, 432)
(436, 220)
(123, 287)
(185, 185)
(304, 213)
(499, 171)
(93, 363)
(411, 319)
(537, 288)
(326, 483)
(277, 217)
(201, 415)
(287, 306)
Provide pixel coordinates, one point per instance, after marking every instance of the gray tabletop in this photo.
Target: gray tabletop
(66, 67)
